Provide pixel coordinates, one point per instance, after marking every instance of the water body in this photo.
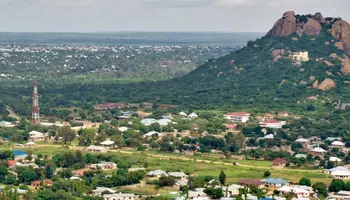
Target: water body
(19, 152)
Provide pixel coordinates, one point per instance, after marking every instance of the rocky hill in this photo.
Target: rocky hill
(260, 76)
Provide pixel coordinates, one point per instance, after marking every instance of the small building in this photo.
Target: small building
(231, 190)
(120, 196)
(79, 172)
(107, 144)
(156, 173)
(278, 163)
(136, 169)
(99, 190)
(335, 159)
(251, 182)
(241, 117)
(6, 124)
(47, 183)
(29, 144)
(299, 190)
(148, 121)
(269, 136)
(272, 123)
(341, 195)
(178, 175)
(36, 136)
(151, 133)
(318, 151)
(302, 141)
(123, 129)
(11, 163)
(193, 116)
(182, 114)
(300, 156)
(301, 56)
(337, 144)
(103, 166)
(93, 148)
(268, 116)
(283, 114)
(276, 182)
(260, 118)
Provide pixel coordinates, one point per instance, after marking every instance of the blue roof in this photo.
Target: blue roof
(276, 181)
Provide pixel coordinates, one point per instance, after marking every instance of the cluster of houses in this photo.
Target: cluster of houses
(266, 121)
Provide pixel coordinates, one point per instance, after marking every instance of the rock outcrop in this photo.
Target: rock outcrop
(318, 16)
(339, 45)
(327, 84)
(284, 26)
(315, 84)
(329, 64)
(345, 66)
(341, 31)
(312, 27)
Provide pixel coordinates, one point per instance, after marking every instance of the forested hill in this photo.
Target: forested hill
(258, 76)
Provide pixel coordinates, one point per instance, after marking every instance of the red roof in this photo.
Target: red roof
(231, 126)
(79, 172)
(279, 161)
(11, 162)
(36, 182)
(46, 182)
(239, 114)
(250, 182)
(271, 121)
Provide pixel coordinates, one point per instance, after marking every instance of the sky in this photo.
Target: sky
(156, 15)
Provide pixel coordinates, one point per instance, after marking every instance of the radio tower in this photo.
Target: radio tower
(35, 112)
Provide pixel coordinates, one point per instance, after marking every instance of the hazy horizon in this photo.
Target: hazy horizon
(156, 15)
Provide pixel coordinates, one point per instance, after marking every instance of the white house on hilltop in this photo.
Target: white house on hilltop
(241, 117)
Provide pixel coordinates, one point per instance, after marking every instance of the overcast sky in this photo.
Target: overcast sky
(156, 15)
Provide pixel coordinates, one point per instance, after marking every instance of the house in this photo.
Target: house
(181, 182)
(335, 159)
(123, 129)
(192, 116)
(120, 196)
(300, 155)
(278, 163)
(32, 165)
(182, 114)
(79, 172)
(198, 194)
(283, 114)
(251, 182)
(107, 144)
(148, 121)
(269, 136)
(249, 197)
(231, 190)
(341, 195)
(93, 148)
(156, 173)
(230, 126)
(103, 166)
(11, 162)
(337, 144)
(75, 178)
(99, 190)
(339, 173)
(241, 117)
(333, 139)
(301, 56)
(275, 182)
(302, 141)
(6, 124)
(47, 183)
(300, 191)
(164, 122)
(260, 118)
(136, 169)
(178, 175)
(36, 136)
(29, 144)
(268, 116)
(150, 134)
(272, 123)
(318, 151)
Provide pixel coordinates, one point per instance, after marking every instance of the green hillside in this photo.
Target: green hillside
(244, 79)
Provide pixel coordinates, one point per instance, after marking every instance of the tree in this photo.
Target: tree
(321, 189)
(166, 181)
(214, 193)
(336, 185)
(305, 181)
(267, 174)
(222, 177)
(66, 133)
(50, 169)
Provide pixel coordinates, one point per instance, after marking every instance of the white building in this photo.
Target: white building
(6, 124)
(99, 190)
(192, 115)
(119, 196)
(107, 143)
(335, 159)
(299, 190)
(151, 133)
(148, 121)
(156, 173)
(93, 148)
(36, 136)
(272, 123)
(302, 141)
(339, 172)
(241, 117)
(299, 56)
(103, 166)
(178, 175)
(337, 144)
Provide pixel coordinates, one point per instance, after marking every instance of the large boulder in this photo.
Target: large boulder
(341, 31)
(327, 84)
(278, 52)
(345, 66)
(318, 16)
(339, 45)
(312, 27)
(284, 26)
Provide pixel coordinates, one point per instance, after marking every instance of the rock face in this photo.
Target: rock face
(329, 64)
(278, 52)
(341, 31)
(312, 27)
(315, 85)
(318, 16)
(339, 45)
(345, 66)
(284, 26)
(327, 84)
